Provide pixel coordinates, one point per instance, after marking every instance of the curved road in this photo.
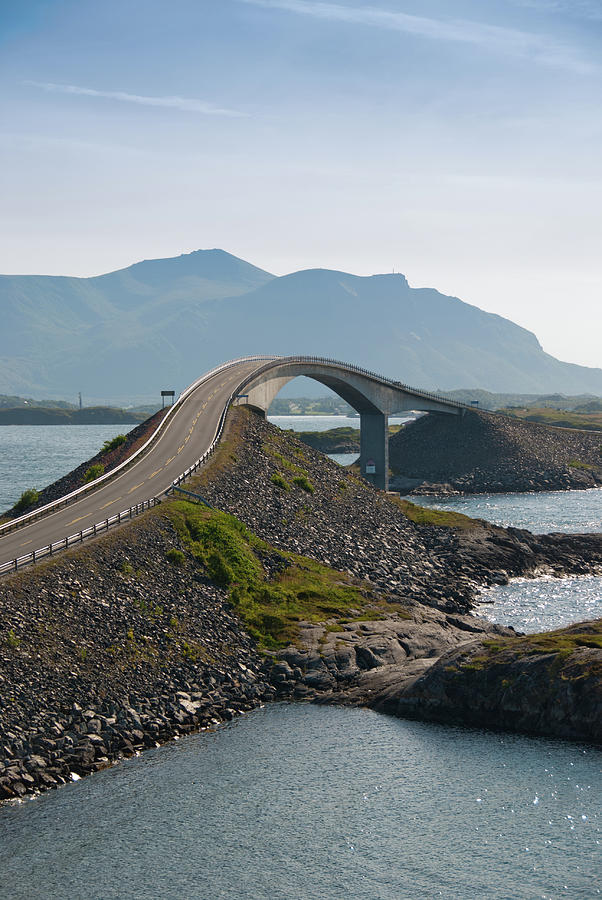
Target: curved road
(187, 436)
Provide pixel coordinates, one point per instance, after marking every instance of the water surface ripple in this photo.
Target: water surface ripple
(318, 803)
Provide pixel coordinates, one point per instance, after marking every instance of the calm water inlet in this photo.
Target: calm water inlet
(317, 803)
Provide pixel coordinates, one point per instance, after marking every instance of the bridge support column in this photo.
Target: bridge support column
(374, 449)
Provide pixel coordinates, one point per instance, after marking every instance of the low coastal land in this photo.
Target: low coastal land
(89, 415)
(302, 582)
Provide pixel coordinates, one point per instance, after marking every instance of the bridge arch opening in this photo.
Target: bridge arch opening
(375, 398)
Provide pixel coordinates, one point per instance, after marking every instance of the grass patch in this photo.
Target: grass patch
(422, 515)
(112, 444)
(283, 462)
(26, 500)
(560, 644)
(304, 591)
(94, 472)
(11, 640)
(304, 483)
(577, 464)
(280, 481)
(176, 557)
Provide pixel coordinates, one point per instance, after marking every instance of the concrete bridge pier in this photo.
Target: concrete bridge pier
(374, 448)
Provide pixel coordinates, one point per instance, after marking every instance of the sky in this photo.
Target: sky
(455, 141)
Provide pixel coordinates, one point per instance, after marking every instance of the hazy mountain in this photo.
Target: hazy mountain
(418, 336)
(160, 323)
(111, 335)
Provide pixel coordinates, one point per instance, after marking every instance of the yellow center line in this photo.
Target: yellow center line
(109, 503)
(79, 519)
(180, 448)
(171, 459)
(154, 473)
(25, 543)
(135, 487)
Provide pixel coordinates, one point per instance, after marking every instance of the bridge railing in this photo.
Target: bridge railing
(36, 555)
(349, 367)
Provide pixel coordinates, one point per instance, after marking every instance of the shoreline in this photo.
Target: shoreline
(128, 642)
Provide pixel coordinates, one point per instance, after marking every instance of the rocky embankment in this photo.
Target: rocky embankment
(297, 501)
(112, 649)
(481, 452)
(144, 634)
(109, 459)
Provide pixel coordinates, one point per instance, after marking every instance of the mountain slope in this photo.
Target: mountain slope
(158, 323)
(63, 334)
(418, 336)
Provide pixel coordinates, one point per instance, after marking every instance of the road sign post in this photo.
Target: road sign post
(165, 394)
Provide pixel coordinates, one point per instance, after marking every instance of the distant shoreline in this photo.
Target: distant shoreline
(91, 415)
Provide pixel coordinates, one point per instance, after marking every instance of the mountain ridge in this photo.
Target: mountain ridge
(127, 333)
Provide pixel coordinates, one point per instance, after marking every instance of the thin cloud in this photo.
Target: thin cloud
(183, 104)
(510, 41)
(574, 9)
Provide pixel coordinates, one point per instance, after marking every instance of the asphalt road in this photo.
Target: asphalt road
(187, 436)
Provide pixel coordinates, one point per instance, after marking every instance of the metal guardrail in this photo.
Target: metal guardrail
(79, 537)
(35, 555)
(72, 497)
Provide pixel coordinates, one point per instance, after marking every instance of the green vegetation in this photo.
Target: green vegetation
(560, 643)
(305, 590)
(279, 481)
(577, 464)
(175, 557)
(11, 640)
(304, 483)
(93, 472)
(115, 442)
(588, 421)
(26, 500)
(422, 515)
(335, 440)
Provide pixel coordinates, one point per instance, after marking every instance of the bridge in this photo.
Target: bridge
(189, 434)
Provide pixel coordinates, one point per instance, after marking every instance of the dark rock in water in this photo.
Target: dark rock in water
(484, 453)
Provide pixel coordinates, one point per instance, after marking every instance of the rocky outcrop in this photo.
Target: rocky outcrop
(481, 452)
(548, 684)
(355, 661)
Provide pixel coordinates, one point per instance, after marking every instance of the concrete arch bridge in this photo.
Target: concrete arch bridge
(374, 397)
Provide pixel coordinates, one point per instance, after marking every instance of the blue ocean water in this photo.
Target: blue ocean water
(33, 456)
(318, 803)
